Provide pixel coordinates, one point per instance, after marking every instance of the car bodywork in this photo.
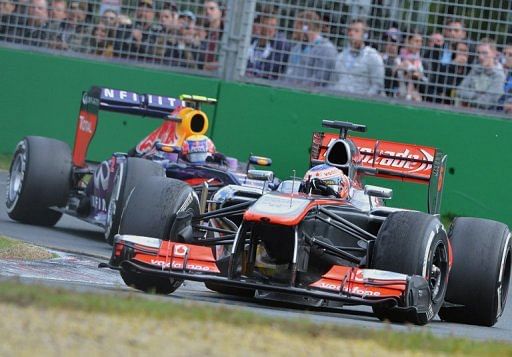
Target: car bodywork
(301, 247)
(95, 187)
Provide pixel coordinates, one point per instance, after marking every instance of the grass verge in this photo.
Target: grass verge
(86, 322)
(15, 249)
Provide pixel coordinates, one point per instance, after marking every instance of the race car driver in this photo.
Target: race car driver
(325, 180)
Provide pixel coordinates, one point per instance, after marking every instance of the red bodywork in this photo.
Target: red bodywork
(393, 160)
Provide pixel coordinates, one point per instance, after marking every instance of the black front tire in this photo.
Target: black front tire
(151, 211)
(413, 243)
(481, 270)
(134, 171)
(39, 178)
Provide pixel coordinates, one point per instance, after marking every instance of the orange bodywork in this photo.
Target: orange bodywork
(352, 280)
(406, 162)
(286, 210)
(172, 255)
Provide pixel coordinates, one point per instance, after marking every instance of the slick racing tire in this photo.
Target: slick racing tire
(39, 178)
(127, 177)
(480, 274)
(413, 243)
(151, 211)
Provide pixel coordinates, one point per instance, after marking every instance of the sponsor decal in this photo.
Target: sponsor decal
(187, 202)
(86, 99)
(102, 176)
(360, 291)
(99, 203)
(176, 265)
(180, 250)
(85, 125)
(120, 95)
(329, 286)
(396, 161)
(160, 263)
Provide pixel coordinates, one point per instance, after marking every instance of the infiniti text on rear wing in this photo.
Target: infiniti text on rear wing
(392, 160)
(119, 101)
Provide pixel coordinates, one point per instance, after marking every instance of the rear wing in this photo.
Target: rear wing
(99, 99)
(392, 160)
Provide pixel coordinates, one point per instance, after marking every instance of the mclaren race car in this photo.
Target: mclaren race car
(327, 240)
(47, 179)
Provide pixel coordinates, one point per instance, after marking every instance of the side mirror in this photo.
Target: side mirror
(260, 175)
(379, 192)
(260, 160)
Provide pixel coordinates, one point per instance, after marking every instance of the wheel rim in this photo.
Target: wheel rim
(504, 279)
(112, 207)
(16, 177)
(437, 272)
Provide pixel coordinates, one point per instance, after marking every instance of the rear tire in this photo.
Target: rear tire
(39, 178)
(480, 275)
(150, 211)
(413, 243)
(135, 170)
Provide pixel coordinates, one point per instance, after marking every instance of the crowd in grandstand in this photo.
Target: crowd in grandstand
(446, 67)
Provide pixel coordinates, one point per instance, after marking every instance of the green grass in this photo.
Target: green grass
(15, 249)
(135, 306)
(5, 161)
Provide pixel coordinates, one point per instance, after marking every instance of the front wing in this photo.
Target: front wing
(158, 258)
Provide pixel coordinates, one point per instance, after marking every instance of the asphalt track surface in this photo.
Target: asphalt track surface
(78, 271)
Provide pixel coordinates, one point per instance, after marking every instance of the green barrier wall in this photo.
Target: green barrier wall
(279, 123)
(40, 95)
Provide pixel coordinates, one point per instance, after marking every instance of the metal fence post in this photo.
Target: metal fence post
(236, 40)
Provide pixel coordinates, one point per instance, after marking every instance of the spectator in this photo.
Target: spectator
(409, 69)
(438, 61)
(109, 17)
(454, 32)
(7, 18)
(506, 100)
(359, 68)
(36, 31)
(186, 49)
(268, 52)
(312, 58)
(137, 41)
(76, 35)
(455, 73)
(435, 39)
(213, 34)
(109, 5)
(58, 17)
(392, 40)
(145, 32)
(58, 10)
(483, 86)
(168, 21)
(101, 43)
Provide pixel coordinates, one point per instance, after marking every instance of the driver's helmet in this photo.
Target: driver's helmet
(325, 180)
(197, 148)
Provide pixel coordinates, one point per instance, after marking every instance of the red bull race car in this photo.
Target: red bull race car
(325, 240)
(47, 179)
